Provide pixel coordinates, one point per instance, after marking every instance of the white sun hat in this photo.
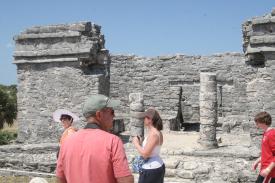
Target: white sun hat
(57, 115)
(38, 180)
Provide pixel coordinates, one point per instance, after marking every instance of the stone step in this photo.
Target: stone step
(24, 174)
(29, 148)
(182, 164)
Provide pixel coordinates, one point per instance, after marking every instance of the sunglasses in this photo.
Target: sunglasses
(110, 110)
(64, 119)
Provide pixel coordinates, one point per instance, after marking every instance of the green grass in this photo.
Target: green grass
(8, 134)
(7, 137)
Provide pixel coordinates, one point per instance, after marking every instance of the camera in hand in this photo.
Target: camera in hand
(139, 138)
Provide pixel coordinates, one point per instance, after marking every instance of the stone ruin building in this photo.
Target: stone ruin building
(59, 66)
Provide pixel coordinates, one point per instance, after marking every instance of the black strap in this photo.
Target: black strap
(92, 126)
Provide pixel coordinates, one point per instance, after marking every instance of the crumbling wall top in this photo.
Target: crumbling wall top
(259, 38)
(80, 41)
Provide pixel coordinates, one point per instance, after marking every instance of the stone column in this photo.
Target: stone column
(136, 107)
(208, 110)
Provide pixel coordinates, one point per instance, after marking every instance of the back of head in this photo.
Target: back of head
(97, 102)
(264, 118)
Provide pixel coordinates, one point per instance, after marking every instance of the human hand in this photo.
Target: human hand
(136, 140)
(256, 164)
(265, 172)
(140, 138)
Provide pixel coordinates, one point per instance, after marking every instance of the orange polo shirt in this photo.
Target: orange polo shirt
(66, 133)
(92, 156)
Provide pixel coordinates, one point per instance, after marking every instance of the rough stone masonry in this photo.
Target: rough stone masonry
(58, 66)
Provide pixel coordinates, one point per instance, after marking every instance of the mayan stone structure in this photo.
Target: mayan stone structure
(59, 66)
(259, 42)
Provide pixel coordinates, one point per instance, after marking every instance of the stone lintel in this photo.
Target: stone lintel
(52, 52)
(264, 39)
(80, 26)
(22, 61)
(47, 35)
(258, 34)
(259, 49)
(263, 20)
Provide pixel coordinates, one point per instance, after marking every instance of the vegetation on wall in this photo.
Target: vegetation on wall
(6, 137)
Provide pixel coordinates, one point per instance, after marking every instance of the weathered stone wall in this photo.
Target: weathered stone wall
(58, 66)
(259, 48)
(171, 83)
(167, 82)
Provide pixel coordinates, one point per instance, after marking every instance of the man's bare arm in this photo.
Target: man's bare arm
(61, 180)
(128, 179)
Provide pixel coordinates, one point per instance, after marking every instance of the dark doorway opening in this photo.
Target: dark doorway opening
(191, 127)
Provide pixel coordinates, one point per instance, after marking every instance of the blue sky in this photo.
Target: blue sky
(141, 27)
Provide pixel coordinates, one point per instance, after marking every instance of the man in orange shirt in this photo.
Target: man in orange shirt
(93, 155)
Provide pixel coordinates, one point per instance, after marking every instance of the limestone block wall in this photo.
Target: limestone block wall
(245, 82)
(173, 81)
(259, 42)
(258, 37)
(58, 66)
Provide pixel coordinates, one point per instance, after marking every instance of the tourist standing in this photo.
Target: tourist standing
(66, 118)
(153, 169)
(267, 160)
(93, 155)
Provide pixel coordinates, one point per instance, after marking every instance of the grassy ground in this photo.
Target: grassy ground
(12, 128)
(8, 134)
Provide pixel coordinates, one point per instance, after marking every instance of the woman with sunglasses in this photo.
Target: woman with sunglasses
(66, 118)
(66, 121)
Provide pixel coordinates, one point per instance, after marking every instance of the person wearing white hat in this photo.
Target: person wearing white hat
(66, 118)
(38, 180)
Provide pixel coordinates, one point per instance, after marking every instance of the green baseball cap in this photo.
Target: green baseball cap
(97, 102)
